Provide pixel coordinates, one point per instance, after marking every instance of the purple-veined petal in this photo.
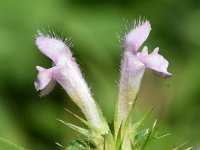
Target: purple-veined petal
(136, 37)
(53, 48)
(155, 62)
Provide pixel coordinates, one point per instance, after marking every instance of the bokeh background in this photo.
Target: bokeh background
(30, 121)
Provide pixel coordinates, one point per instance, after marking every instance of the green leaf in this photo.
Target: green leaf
(79, 145)
(119, 139)
(104, 144)
(141, 136)
(161, 136)
(109, 143)
(132, 145)
(6, 145)
(116, 119)
(124, 127)
(150, 134)
(87, 123)
(189, 148)
(82, 131)
(180, 146)
(136, 126)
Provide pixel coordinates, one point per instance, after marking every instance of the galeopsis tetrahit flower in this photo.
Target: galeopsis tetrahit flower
(133, 66)
(66, 72)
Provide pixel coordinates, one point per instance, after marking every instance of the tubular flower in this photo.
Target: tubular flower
(66, 72)
(133, 66)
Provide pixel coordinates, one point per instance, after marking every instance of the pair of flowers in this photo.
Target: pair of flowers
(66, 72)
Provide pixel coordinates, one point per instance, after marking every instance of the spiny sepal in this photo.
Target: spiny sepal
(149, 135)
(119, 139)
(7, 145)
(181, 147)
(86, 123)
(80, 130)
(80, 145)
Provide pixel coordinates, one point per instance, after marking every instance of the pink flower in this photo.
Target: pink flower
(66, 72)
(133, 66)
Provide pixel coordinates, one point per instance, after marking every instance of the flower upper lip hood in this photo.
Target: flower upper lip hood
(136, 37)
(54, 48)
(133, 41)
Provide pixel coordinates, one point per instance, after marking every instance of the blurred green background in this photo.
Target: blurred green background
(30, 121)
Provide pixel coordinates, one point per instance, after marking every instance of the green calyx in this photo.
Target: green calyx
(127, 135)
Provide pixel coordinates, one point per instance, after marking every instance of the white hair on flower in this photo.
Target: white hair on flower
(134, 63)
(67, 73)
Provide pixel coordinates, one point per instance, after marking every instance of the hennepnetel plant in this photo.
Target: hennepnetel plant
(127, 135)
